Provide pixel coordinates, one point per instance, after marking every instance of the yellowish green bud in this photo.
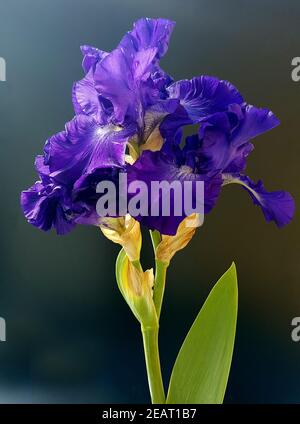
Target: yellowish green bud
(136, 287)
(170, 245)
(125, 231)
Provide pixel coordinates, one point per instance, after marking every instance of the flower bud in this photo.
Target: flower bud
(136, 287)
(169, 245)
(126, 232)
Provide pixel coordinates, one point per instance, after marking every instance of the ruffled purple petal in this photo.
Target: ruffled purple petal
(277, 206)
(125, 82)
(85, 146)
(91, 56)
(42, 169)
(148, 33)
(129, 77)
(254, 122)
(47, 206)
(204, 95)
(158, 166)
(85, 194)
(86, 100)
(224, 137)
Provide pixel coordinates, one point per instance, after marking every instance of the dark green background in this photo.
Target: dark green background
(70, 336)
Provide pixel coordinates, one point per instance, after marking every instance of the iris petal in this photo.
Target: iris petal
(277, 206)
(86, 100)
(46, 207)
(158, 166)
(148, 33)
(91, 56)
(129, 76)
(85, 146)
(204, 95)
(224, 137)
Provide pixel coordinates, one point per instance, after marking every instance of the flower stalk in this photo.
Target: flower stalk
(159, 285)
(150, 342)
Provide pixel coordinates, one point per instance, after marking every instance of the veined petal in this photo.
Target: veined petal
(160, 167)
(114, 80)
(224, 137)
(148, 33)
(204, 95)
(129, 76)
(42, 169)
(277, 206)
(91, 56)
(86, 100)
(152, 137)
(47, 206)
(85, 146)
(255, 122)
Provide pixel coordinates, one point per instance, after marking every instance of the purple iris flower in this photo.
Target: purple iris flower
(114, 103)
(126, 104)
(127, 84)
(216, 155)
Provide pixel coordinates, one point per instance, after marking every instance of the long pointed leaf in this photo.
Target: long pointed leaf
(201, 370)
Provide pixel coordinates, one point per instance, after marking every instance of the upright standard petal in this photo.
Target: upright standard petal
(86, 99)
(91, 56)
(204, 95)
(130, 77)
(124, 81)
(148, 33)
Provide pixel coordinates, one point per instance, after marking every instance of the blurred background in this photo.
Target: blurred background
(70, 335)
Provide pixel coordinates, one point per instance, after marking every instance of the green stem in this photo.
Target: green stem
(155, 238)
(150, 340)
(150, 334)
(160, 274)
(159, 285)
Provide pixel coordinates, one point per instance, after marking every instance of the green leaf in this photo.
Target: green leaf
(201, 370)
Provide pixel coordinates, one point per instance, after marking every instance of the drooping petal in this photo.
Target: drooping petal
(255, 121)
(42, 169)
(160, 167)
(86, 195)
(277, 206)
(85, 146)
(46, 207)
(225, 137)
